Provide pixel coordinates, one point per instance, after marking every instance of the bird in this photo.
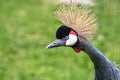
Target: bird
(79, 26)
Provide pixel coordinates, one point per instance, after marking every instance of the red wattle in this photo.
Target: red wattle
(77, 49)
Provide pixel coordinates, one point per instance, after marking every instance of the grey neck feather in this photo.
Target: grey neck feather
(104, 68)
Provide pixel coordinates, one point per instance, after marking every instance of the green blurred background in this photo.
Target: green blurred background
(27, 26)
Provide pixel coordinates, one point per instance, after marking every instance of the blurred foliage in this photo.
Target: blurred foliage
(27, 26)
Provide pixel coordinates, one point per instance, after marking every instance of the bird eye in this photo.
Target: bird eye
(66, 37)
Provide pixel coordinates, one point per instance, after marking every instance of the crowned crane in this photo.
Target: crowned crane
(79, 26)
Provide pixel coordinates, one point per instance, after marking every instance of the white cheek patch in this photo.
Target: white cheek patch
(72, 40)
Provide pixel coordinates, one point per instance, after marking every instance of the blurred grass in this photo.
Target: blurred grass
(27, 26)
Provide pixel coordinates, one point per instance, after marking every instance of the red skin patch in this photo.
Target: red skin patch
(73, 32)
(76, 49)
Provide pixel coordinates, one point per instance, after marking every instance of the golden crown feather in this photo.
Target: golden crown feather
(77, 17)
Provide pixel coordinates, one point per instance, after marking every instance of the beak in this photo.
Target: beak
(57, 43)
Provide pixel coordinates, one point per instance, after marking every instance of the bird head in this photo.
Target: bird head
(66, 36)
(79, 25)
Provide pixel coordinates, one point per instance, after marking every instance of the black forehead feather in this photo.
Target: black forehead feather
(62, 31)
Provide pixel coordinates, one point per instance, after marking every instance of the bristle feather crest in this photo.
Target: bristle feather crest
(78, 18)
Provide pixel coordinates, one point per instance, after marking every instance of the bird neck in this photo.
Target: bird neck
(103, 66)
(94, 54)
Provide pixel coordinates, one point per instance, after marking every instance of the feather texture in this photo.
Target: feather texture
(77, 17)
